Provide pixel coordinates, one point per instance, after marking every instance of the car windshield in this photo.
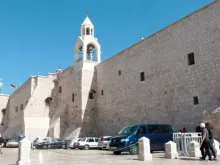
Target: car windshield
(127, 130)
(13, 140)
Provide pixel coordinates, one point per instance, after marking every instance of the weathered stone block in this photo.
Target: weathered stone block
(144, 150)
(171, 150)
(217, 147)
(24, 152)
(194, 149)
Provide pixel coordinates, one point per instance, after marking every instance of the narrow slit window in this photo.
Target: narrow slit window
(191, 59)
(119, 72)
(102, 92)
(22, 107)
(91, 95)
(195, 100)
(142, 76)
(73, 97)
(60, 89)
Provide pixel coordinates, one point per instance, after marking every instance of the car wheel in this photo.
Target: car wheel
(86, 147)
(100, 148)
(133, 149)
(117, 152)
(45, 147)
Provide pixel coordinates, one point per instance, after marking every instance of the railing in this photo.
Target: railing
(182, 141)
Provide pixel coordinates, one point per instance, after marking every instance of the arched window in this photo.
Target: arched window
(87, 31)
(83, 31)
(48, 100)
(91, 31)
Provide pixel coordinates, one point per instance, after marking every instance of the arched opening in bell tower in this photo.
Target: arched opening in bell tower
(80, 54)
(87, 31)
(83, 31)
(91, 53)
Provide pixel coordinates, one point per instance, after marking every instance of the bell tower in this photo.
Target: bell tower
(87, 47)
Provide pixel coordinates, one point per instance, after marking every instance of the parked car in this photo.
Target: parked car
(87, 143)
(70, 142)
(52, 144)
(12, 143)
(127, 138)
(41, 140)
(104, 142)
(5, 142)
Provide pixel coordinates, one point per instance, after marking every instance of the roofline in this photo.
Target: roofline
(206, 6)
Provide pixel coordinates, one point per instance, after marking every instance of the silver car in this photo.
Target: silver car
(70, 142)
(104, 142)
(13, 143)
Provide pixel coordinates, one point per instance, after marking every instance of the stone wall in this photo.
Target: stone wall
(73, 117)
(17, 104)
(3, 112)
(36, 113)
(167, 94)
(66, 112)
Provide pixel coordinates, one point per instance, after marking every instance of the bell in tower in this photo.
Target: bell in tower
(90, 49)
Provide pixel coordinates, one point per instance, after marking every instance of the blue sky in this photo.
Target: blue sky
(37, 37)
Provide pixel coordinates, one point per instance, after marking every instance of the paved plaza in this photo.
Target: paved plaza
(91, 157)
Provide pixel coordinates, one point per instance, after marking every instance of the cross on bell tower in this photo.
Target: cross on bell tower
(87, 47)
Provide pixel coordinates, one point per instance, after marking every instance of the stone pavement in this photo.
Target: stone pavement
(91, 157)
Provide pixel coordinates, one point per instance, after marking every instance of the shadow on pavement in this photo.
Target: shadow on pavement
(189, 159)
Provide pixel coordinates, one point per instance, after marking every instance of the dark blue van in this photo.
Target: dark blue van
(127, 138)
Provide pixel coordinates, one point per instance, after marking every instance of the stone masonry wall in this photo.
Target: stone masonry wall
(73, 117)
(166, 95)
(36, 113)
(18, 102)
(3, 105)
(66, 112)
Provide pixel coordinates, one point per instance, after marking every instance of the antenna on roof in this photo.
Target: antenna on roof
(87, 13)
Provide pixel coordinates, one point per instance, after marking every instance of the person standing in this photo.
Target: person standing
(208, 126)
(205, 144)
(21, 136)
(1, 143)
(184, 130)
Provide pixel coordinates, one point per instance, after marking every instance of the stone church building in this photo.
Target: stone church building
(172, 76)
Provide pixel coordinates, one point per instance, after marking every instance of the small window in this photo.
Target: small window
(2, 124)
(195, 100)
(119, 72)
(96, 140)
(22, 107)
(73, 97)
(191, 59)
(90, 95)
(102, 92)
(16, 109)
(60, 89)
(142, 76)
